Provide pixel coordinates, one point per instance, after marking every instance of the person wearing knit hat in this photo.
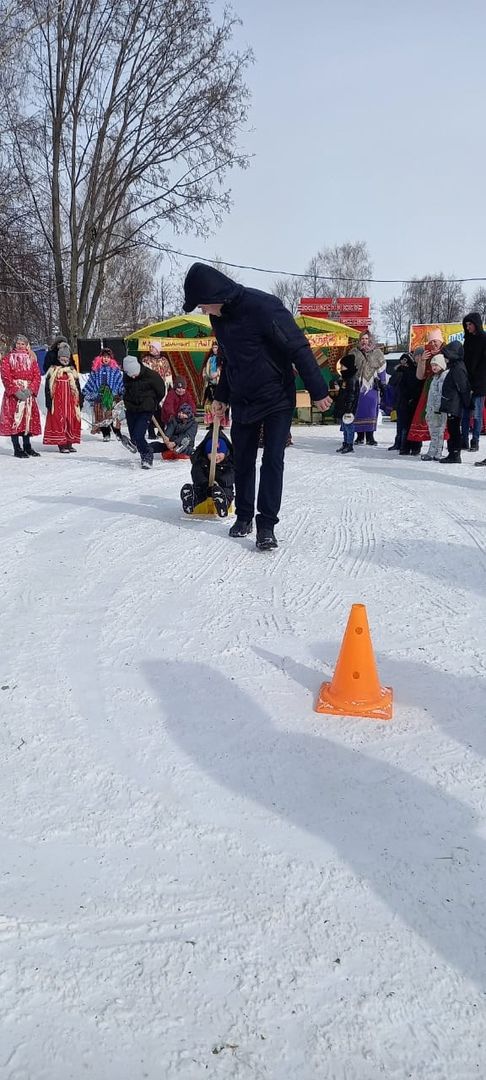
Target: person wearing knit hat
(64, 401)
(177, 396)
(143, 392)
(436, 420)
(131, 367)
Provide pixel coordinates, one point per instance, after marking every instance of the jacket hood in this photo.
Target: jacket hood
(476, 319)
(205, 285)
(453, 352)
(348, 365)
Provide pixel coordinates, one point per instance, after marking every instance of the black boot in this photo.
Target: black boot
(106, 434)
(220, 501)
(347, 449)
(370, 439)
(241, 528)
(16, 445)
(465, 444)
(453, 458)
(266, 539)
(187, 498)
(341, 449)
(480, 464)
(360, 438)
(28, 449)
(474, 444)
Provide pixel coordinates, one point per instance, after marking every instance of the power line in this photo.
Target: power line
(316, 277)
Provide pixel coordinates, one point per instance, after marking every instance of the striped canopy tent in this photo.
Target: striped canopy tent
(187, 341)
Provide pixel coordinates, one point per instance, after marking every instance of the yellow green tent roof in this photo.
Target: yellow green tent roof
(202, 324)
(324, 326)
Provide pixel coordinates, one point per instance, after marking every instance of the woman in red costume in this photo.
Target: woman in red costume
(19, 416)
(419, 431)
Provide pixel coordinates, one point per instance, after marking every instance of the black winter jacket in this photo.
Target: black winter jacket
(225, 471)
(261, 342)
(456, 388)
(475, 354)
(179, 432)
(405, 383)
(347, 399)
(144, 392)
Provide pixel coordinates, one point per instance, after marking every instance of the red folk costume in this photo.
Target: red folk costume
(419, 430)
(19, 370)
(63, 401)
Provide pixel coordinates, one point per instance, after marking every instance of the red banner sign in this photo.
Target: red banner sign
(352, 310)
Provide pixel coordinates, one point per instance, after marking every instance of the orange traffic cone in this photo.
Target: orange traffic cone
(355, 689)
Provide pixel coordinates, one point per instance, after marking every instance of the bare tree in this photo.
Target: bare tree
(129, 122)
(312, 284)
(478, 302)
(348, 266)
(289, 290)
(433, 298)
(395, 318)
(128, 296)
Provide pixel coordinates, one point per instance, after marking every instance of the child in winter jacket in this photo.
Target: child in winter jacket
(456, 396)
(436, 420)
(223, 488)
(346, 403)
(179, 436)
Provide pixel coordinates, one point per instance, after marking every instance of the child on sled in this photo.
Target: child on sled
(222, 491)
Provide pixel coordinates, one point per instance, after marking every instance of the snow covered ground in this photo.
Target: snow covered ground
(199, 875)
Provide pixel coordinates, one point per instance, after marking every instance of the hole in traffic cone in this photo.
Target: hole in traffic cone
(355, 689)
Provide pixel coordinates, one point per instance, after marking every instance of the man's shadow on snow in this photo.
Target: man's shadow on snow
(153, 507)
(414, 845)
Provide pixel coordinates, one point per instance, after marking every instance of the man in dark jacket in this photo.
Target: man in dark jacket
(475, 361)
(261, 343)
(144, 390)
(456, 393)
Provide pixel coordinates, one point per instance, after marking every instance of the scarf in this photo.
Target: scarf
(368, 364)
(55, 374)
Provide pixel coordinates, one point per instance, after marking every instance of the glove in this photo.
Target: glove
(348, 418)
(23, 395)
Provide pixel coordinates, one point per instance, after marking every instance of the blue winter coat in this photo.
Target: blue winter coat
(260, 342)
(104, 376)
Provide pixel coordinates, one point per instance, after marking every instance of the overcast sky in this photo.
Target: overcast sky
(367, 122)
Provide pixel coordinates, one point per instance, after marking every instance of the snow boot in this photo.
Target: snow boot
(241, 528)
(220, 501)
(452, 459)
(370, 439)
(394, 447)
(465, 444)
(348, 449)
(360, 438)
(71, 449)
(106, 435)
(187, 498)
(147, 461)
(474, 444)
(28, 448)
(480, 464)
(64, 449)
(265, 540)
(20, 453)
(341, 449)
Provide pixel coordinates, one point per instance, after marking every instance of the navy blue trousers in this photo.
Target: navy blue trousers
(245, 438)
(137, 423)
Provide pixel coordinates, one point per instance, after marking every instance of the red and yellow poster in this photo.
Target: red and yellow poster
(450, 332)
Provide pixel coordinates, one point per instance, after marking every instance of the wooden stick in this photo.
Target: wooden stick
(162, 433)
(214, 451)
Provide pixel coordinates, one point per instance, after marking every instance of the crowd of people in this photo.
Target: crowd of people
(438, 393)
